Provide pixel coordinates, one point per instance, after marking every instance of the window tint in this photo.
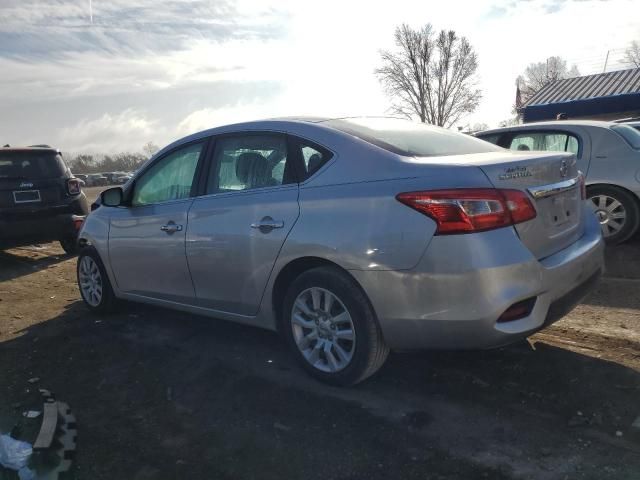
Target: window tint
(171, 178)
(313, 157)
(249, 161)
(490, 138)
(545, 141)
(31, 164)
(631, 136)
(410, 138)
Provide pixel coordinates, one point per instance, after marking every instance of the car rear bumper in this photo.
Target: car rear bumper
(464, 283)
(23, 227)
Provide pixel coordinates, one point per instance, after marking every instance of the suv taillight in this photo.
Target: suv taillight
(73, 186)
(469, 210)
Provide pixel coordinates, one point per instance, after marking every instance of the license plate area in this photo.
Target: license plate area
(26, 196)
(561, 210)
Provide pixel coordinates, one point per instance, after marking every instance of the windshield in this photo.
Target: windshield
(30, 164)
(630, 134)
(410, 138)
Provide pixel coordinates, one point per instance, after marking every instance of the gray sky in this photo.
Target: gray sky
(154, 70)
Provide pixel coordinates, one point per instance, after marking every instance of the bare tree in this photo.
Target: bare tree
(632, 54)
(150, 149)
(538, 75)
(431, 76)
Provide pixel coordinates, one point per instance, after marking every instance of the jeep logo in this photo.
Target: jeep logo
(26, 185)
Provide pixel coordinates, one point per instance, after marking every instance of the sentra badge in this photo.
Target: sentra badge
(515, 172)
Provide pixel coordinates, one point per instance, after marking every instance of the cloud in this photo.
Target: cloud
(128, 130)
(37, 29)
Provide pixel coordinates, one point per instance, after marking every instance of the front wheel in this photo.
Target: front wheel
(617, 211)
(93, 282)
(331, 327)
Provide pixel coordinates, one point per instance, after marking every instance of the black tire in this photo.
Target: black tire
(628, 204)
(70, 245)
(107, 301)
(370, 350)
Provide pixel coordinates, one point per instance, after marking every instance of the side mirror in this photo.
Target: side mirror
(111, 197)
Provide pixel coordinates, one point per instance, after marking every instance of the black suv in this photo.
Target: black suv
(40, 199)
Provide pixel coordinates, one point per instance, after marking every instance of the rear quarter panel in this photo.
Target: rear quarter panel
(613, 161)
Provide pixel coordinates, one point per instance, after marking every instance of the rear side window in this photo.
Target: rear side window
(545, 141)
(630, 135)
(245, 162)
(313, 156)
(410, 138)
(30, 164)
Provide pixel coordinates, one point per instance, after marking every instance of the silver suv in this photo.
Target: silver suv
(350, 237)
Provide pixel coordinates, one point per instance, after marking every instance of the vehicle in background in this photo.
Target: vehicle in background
(122, 179)
(608, 154)
(96, 180)
(81, 176)
(111, 177)
(350, 237)
(40, 199)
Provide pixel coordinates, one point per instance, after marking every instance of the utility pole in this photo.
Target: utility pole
(606, 60)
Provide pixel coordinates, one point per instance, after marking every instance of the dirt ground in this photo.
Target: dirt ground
(165, 395)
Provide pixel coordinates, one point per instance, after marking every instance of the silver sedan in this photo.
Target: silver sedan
(350, 237)
(609, 156)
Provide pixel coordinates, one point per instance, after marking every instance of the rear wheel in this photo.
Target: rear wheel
(70, 245)
(617, 211)
(93, 282)
(331, 327)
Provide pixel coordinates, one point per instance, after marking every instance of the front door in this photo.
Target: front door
(237, 229)
(147, 238)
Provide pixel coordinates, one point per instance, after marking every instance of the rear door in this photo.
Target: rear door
(147, 238)
(236, 230)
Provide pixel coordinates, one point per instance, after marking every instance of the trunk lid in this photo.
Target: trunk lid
(552, 182)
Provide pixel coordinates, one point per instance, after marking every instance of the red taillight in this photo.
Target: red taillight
(468, 210)
(78, 221)
(73, 186)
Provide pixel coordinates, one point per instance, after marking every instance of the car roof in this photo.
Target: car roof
(30, 149)
(554, 123)
(284, 123)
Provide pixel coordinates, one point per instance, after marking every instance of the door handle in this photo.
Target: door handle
(171, 228)
(267, 224)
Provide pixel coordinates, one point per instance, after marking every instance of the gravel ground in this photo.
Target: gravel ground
(162, 394)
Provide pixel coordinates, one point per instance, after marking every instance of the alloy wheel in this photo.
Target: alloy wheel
(323, 330)
(610, 212)
(90, 281)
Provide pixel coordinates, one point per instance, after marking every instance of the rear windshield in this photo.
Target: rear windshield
(411, 139)
(30, 165)
(630, 134)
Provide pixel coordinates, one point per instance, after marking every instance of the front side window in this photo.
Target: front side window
(246, 162)
(171, 178)
(545, 141)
